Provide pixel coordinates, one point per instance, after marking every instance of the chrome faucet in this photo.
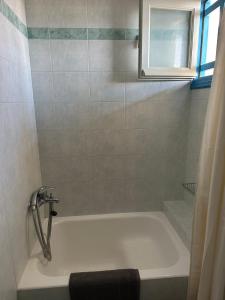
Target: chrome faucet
(39, 198)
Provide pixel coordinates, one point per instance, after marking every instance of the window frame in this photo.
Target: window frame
(205, 81)
(147, 73)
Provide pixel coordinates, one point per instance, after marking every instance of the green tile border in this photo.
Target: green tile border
(38, 33)
(106, 34)
(45, 33)
(13, 18)
(90, 34)
(132, 34)
(68, 33)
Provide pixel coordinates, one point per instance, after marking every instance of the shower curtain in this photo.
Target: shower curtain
(207, 273)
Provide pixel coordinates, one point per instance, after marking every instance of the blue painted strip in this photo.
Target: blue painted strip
(208, 3)
(207, 66)
(202, 83)
(214, 6)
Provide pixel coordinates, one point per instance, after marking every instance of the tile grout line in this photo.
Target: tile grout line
(121, 34)
(66, 33)
(88, 50)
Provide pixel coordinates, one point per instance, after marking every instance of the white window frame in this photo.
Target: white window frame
(152, 73)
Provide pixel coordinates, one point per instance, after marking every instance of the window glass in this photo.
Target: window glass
(169, 38)
(210, 35)
(207, 72)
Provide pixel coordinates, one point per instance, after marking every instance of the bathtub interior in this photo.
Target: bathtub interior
(146, 241)
(116, 243)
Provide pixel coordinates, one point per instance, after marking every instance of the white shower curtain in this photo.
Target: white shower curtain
(207, 274)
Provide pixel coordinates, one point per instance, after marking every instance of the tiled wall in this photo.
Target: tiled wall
(19, 162)
(107, 142)
(180, 213)
(198, 108)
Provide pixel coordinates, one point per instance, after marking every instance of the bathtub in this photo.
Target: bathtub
(146, 241)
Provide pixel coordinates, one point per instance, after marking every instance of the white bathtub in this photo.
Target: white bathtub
(145, 241)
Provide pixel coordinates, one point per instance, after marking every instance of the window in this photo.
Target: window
(211, 11)
(168, 39)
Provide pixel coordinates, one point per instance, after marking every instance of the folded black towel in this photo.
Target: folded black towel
(105, 285)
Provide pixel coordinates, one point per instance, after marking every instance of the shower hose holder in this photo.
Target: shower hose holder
(39, 198)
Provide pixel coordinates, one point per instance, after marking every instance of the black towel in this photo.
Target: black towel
(105, 285)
